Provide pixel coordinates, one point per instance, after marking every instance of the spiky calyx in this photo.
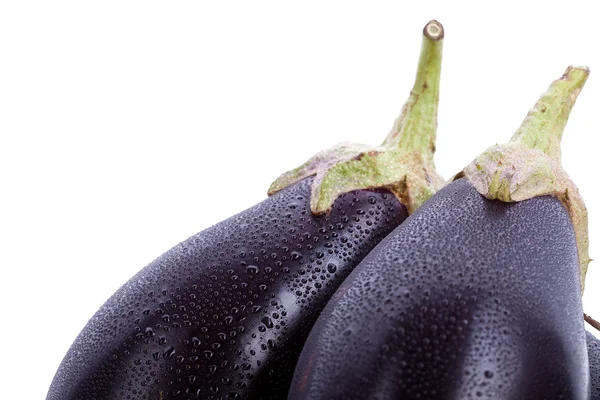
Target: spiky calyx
(402, 164)
(529, 165)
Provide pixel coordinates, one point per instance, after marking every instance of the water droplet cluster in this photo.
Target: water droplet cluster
(224, 314)
(469, 298)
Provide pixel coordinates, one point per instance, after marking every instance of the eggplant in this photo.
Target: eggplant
(593, 345)
(476, 295)
(225, 313)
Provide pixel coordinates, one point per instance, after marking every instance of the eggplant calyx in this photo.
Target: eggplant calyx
(403, 163)
(529, 165)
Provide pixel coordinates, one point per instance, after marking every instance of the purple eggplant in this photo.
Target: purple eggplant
(225, 313)
(477, 295)
(593, 345)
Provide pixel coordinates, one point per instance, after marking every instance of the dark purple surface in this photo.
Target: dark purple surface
(224, 314)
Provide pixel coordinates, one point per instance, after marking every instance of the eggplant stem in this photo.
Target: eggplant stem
(543, 127)
(595, 324)
(416, 126)
(403, 164)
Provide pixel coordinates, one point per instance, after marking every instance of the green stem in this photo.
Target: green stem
(543, 127)
(415, 128)
(403, 164)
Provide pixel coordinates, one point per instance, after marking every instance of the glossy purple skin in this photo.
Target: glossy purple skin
(467, 299)
(225, 313)
(593, 344)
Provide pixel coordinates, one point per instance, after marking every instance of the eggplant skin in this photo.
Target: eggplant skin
(467, 299)
(593, 344)
(225, 313)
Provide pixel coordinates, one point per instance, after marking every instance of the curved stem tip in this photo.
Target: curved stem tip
(543, 126)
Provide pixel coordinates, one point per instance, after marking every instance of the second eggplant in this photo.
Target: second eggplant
(476, 295)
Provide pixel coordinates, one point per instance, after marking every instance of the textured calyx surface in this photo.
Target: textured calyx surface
(529, 165)
(348, 166)
(403, 163)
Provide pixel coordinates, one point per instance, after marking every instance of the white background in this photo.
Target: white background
(127, 126)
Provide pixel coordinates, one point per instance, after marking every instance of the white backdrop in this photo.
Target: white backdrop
(127, 126)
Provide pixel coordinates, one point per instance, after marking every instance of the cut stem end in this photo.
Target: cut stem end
(434, 30)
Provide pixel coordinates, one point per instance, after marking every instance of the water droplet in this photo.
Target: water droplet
(252, 269)
(170, 352)
(267, 321)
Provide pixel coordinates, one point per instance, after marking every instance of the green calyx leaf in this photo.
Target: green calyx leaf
(402, 164)
(529, 165)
